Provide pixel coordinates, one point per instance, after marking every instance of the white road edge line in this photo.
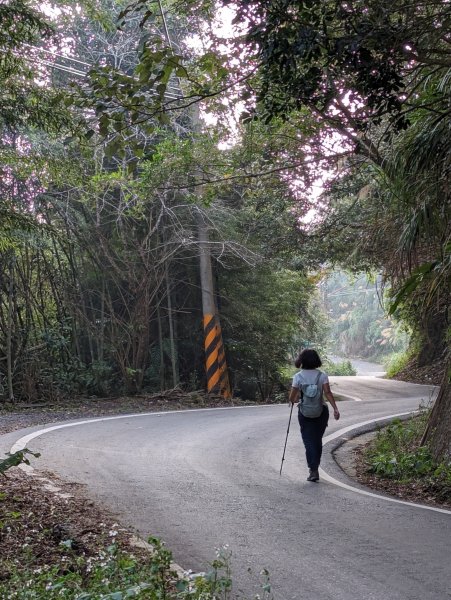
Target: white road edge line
(22, 442)
(348, 397)
(330, 479)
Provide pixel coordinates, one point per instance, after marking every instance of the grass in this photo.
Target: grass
(396, 362)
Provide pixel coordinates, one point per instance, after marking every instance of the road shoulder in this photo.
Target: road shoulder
(347, 464)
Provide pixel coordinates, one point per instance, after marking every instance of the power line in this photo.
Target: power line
(172, 95)
(41, 61)
(71, 71)
(57, 55)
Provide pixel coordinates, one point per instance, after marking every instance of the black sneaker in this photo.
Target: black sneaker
(314, 475)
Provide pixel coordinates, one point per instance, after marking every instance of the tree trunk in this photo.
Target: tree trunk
(433, 328)
(160, 345)
(438, 430)
(175, 379)
(101, 340)
(9, 332)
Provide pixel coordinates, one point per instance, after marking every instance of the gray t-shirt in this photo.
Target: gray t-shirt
(309, 376)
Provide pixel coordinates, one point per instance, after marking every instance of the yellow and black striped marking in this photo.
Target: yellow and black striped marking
(222, 365)
(215, 363)
(211, 354)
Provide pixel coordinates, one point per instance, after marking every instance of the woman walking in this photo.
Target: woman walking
(309, 387)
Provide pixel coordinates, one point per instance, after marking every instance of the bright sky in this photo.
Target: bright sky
(225, 29)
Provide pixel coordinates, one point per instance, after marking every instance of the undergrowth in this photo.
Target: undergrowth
(331, 368)
(340, 368)
(117, 575)
(396, 454)
(396, 362)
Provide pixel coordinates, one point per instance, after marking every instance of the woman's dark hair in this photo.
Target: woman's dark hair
(308, 359)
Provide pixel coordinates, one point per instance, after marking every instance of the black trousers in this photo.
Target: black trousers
(312, 431)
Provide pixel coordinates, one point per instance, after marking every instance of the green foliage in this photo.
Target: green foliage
(396, 454)
(116, 575)
(122, 203)
(389, 210)
(15, 228)
(407, 465)
(341, 368)
(262, 311)
(133, 99)
(15, 459)
(434, 274)
(23, 102)
(20, 23)
(95, 330)
(396, 362)
(314, 53)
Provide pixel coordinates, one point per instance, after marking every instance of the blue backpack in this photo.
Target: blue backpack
(311, 404)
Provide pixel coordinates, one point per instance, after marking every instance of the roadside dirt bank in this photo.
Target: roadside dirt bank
(350, 458)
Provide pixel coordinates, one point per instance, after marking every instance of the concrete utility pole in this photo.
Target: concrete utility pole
(215, 361)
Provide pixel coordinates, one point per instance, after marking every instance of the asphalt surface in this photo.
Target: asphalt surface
(203, 479)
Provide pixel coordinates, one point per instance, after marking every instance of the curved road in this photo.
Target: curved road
(202, 479)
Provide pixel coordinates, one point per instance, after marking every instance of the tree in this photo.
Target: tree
(350, 63)
(371, 72)
(359, 326)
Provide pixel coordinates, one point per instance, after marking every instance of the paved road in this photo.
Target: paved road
(203, 479)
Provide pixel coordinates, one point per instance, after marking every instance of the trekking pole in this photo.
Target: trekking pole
(286, 439)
